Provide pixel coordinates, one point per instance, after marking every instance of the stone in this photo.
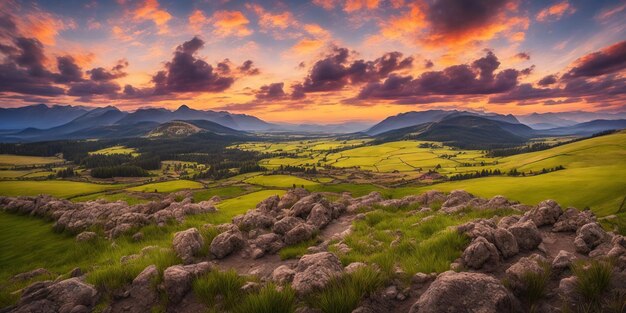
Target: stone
(354, 266)
(572, 219)
(60, 296)
(176, 282)
(563, 260)
(481, 254)
(526, 234)
(460, 292)
(187, 244)
(315, 271)
(256, 219)
(86, 236)
(516, 273)
(267, 243)
(505, 242)
(226, 243)
(286, 224)
(320, 216)
(283, 275)
(546, 213)
(299, 234)
(31, 274)
(588, 237)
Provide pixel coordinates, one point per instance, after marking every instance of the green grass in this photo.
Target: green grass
(268, 300)
(297, 250)
(128, 198)
(223, 192)
(343, 293)
(280, 181)
(11, 160)
(116, 150)
(594, 279)
(219, 289)
(536, 285)
(56, 188)
(168, 186)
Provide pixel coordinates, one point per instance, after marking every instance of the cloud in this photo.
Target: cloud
(280, 25)
(547, 80)
(230, 23)
(355, 5)
(525, 56)
(197, 20)
(43, 26)
(478, 78)
(454, 24)
(102, 74)
(555, 12)
(149, 10)
(272, 91)
(68, 70)
(326, 4)
(91, 88)
(307, 46)
(120, 34)
(248, 68)
(608, 13)
(335, 71)
(608, 60)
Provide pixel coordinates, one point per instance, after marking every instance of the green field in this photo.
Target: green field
(281, 181)
(56, 188)
(167, 186)
(116, 150)
(10, 160)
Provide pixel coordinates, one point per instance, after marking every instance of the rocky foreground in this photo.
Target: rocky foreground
(493, 274)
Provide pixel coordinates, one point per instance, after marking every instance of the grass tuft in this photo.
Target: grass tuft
(594, 279)
(536, 285)
(268, 300)
(218, 288)
(297, 250)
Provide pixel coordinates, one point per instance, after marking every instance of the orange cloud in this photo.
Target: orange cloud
(316, 30)
(230, 23)
(306, 46)
(43, 26)
(149, 11)
(326, 4)
(197, 20)
(269, 21)
(355, 5)
(610, 12)
(555, 12)
(119, 33)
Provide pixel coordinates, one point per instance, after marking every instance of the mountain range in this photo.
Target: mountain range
(42, 122)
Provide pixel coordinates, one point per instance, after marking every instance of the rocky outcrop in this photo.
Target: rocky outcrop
(461, 292)
(142, 294)
(283, 275)
(187, 244)
(481, 254)
(70, 295)
(545, 213)
(177, 279)
(589, 236)
(572, 219)
(516, 273)
(299, 234)
(505, 242)
(526, 234)
(314, 271)
(227, 243)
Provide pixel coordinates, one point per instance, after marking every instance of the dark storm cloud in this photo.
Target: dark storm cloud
(547, 80)
(69, 71)
(450, 17)
(247, 68)
(272, 91)
(14, 79)
(608, 60)
(102, 74)
(335, 72)
(186, 73)
(478, 78)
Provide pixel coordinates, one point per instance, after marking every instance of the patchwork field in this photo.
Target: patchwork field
(116, 150)
(168, 186)
(56, 188)
(8, 161)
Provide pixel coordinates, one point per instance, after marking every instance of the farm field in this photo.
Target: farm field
(8, 161)
(281, 181)
(116, 150)
(168, 186)
(56, 188)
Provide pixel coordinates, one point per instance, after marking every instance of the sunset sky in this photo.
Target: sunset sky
(322, 61)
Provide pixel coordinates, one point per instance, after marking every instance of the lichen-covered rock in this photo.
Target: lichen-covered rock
(269, 204)
(303, 207)
(505, 242)
(478, 228)
(63, 296)
(177, 279)
(563, 261)
(588, 237)
(516, 273)
(227, 243)
(572, 219)
(283, 275)
(187, 244)
(320, 215)
(267, 243)
(286, 224)
(299, 234)
(526, 234)
(546, 213)
(461, 292)
(314, 271)
(481, 254)
(291, 197)
(456, 201)
(256, 219)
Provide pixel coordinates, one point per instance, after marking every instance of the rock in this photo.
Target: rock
(267, 243)
(516, 273)
(572, 219)
(562, 261)
(187, 244)
(588, 237)
(508, 221)
(138, 236)
(505, 242)
(291, 197)
(299, 234)
(256, 219)
(86, 236)
(460, 292)
(320, 216)
(176, 282)
(420, 279)
(269, 204)
(526, 234)
(456, 201)
(283, 275)
(567, 289)
(546, 213)
(390, 292)
(314, 271)
(62, 296)
(354, 266)
(303, 207)
(286, 224)
(481, 254)
(226, 243)
(250, 287)
(479, 228)
(142, 294)
(76, 272)
(31, 274)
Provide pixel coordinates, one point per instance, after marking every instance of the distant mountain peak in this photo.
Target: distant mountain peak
(183, 107)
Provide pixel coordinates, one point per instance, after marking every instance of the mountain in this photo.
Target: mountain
(468, 131)
(414, 118)
(39, 116)
(564, 119)
(338, 128)
(585, 129)
(184, 113)
(188, 128)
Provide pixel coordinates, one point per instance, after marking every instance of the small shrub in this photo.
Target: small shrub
(343, 294)
(594, 279)
(268, 300)
(227, 285)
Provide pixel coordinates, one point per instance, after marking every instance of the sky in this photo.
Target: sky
(316, 61)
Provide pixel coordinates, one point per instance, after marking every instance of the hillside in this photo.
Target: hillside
(187, 128)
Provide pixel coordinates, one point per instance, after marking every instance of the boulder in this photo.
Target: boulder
(176, 282)
(142, 294)
(299, 234)
(588, 237)
(269, 204)
(481, 254)
(517, 272)
(563, 261)
(505, 242)
(267, 243)
(63, 296)
(526, 234)
(320, 216)
(283, 275)
(315, 271)
(354, 266)
(86, 236)
(187, 244)
(286, 224)
(479, 228)
(460, 292)
(508, 221)
(30, 274)
(291, 197)
(456, 201)
(546, 213)
(226, 243)
(572, 219)
(256, 219)
(303, 207)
